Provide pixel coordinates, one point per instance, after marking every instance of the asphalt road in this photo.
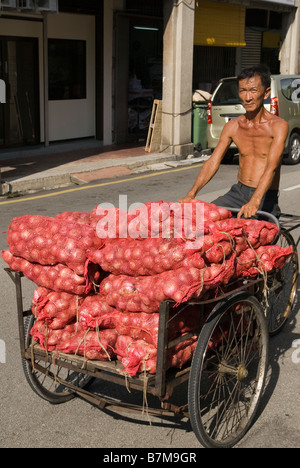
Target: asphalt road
(27, 421)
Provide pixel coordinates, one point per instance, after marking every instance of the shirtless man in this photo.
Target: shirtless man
(260, 137)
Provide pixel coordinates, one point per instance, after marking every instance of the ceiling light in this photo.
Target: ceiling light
(145, 28)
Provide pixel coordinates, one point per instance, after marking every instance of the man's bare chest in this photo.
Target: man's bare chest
(260, 136)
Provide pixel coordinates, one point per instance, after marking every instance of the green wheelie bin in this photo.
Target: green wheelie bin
(199, 125)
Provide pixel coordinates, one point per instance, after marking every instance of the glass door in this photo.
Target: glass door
(19, 58)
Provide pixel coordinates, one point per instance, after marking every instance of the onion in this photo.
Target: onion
(178, 296)
(109, 256)
(170, 288)
(36, 270)
(137, 253)
(62, 256)
(39, 242)
(148, 261)
(214, 216)
(35, 255)
(70, 245)
(159, 295)
(52, 274)
(62, 304)
(127, 254)
(224, 213)
(54, 296)
(50, 310)
(26, 234)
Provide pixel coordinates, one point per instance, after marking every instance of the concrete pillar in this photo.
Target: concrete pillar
(46, 80)
(178, 77)
(110, 6)
(290, 50)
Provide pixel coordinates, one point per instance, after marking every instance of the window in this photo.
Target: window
(227, 94)
(256, 18)
(67, 69)
(288, 88)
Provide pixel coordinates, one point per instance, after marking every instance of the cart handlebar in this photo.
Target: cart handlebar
(263, 214)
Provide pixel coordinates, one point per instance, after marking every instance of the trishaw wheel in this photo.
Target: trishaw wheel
(45, 376)
(282, 288)
(228, 372)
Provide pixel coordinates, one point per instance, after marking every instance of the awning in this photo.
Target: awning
(219, 24)
(275, 5)
(282, 2)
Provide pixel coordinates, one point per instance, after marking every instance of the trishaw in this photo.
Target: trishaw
(227, 375)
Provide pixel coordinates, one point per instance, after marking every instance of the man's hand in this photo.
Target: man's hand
(187, 198)
(249, 210)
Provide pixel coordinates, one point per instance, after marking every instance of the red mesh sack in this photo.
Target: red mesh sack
(158, 219)
(56, 309)
(49, 339)
(260, 233)
(144, 294)
(145, 257)
(56, 278)
(265, 259)
(149, 220)
(138, 356)
(219, 274)
(72, 339)
(47, 241)
(218, 252)
(182, 353)
(96, 313)
(245, 232)
(89, 219)
(93, 345)
(114, 223)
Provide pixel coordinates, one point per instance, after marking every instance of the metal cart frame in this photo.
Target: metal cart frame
(241, 298)
(159, 385)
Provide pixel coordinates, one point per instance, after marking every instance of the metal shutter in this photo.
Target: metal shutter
(219, 24)
(251, 54)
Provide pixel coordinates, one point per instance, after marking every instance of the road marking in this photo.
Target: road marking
(104, 184)
(289, 189)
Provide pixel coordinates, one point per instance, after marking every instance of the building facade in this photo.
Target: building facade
(91, 69)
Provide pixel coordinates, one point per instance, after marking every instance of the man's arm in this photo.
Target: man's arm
(212, 165)
(281, 130)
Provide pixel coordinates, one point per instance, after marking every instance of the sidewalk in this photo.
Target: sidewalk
(76, 163)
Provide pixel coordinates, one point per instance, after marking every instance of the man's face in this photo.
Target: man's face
(252, 93)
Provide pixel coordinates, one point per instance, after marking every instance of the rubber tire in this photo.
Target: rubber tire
(198, 365)
(294, 140)
(61, 395)
(289, 289)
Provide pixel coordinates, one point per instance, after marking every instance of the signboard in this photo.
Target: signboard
(282, 2)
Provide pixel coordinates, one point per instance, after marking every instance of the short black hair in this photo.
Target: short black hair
(258, 70)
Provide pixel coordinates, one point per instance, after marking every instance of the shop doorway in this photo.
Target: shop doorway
(139, 70)
(19, 116)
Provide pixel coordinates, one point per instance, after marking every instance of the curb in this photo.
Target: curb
(59, 177)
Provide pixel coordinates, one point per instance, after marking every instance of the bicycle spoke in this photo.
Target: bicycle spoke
(231, 379)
